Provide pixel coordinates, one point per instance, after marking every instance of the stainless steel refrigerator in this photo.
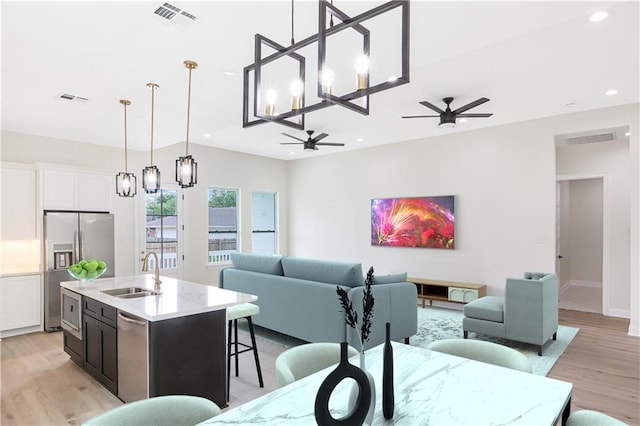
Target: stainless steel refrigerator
(68, 238)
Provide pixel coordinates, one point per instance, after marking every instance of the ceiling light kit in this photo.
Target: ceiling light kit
(261, 103)
(186, 167)
(611, 92)
(598, 16)
(126, 183)
(151, 174)
(448, 117)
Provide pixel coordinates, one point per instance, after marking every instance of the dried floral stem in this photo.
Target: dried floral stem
(350, 314)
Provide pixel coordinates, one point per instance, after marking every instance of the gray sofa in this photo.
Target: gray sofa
(298, 297)
(528, 312)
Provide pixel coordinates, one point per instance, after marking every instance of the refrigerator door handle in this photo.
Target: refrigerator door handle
(80, 245)
(76, 247)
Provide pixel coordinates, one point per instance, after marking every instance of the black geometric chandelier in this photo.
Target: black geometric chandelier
(262, 103)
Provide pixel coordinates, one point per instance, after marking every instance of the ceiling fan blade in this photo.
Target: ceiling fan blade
(320, 137)
(298, 139)
(330, 144)
(291, 143)
(431, 106)
(420, 116)
(480, 115)
(471, 105)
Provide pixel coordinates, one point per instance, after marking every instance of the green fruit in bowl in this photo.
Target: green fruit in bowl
(91, 266)
(101, 265)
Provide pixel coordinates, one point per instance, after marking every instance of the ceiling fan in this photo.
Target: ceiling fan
(448, 117)
(310, 143)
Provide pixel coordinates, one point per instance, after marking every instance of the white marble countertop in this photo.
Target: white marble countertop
(431, 388)
(177, 298)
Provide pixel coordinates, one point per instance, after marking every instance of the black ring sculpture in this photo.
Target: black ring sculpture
(343, 371)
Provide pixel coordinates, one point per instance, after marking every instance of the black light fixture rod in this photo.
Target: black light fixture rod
(126, 162)
(292, 40)
(349, 23)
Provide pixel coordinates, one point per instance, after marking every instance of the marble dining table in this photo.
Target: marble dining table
(430, 388)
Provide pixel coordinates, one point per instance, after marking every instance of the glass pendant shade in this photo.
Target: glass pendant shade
(151, 179)
(186, 167)
(186, 171)
(126, 183)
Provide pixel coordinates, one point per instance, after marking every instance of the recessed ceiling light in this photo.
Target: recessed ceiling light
(598, 16)
(360, 139)
(229, 73)
(207, 135)
(611, 92)
(292, 152)
(463, 120)
(628, 134)
(570, 104)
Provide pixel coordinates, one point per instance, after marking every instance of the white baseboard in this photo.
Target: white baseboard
(635, 331)
(619, 313)
(581, 283)
(19, 331)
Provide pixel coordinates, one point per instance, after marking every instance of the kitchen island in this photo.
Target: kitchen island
(146, 341)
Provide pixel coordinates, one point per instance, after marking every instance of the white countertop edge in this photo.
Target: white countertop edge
(177, 298)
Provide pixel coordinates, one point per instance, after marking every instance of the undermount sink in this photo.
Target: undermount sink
(130, 292)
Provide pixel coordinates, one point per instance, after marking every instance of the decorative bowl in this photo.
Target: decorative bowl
(89, 276)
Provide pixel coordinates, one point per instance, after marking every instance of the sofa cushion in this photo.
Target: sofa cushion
(534, 275)
(347, 274)
(388, 279)
(488, 308)
(257, 263)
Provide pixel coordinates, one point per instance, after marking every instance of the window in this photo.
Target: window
(162, 228)
(223, 224)
(263, 232)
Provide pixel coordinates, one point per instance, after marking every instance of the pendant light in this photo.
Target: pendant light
(151, 174)
(126, 183)
(186, 167)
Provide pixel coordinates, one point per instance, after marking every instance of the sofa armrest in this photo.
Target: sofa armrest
(394, 303)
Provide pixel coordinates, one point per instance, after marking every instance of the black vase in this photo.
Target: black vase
(387, 377)
(344, 370)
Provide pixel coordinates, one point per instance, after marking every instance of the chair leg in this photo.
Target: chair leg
(235, 337)
(255, 351)
(406, 340)
(465, 333)
(228, 357)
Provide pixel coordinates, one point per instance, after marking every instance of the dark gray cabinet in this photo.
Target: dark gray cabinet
(100, 342)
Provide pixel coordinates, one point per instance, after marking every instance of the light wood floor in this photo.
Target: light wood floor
(40, 385)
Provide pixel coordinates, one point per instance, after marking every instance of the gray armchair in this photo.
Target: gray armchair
(527, 313)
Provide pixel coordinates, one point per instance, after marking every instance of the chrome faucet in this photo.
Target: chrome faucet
(145, 268)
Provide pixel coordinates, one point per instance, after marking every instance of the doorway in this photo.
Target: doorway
(581, 261)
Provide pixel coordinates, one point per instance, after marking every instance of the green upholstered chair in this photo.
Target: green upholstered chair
(592, 418)
(527, 313)
(169, 410)
(301, 361)
(489, 352)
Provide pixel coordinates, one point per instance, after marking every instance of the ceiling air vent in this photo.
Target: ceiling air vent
(74, 98)
(602, 137)
(175, 15)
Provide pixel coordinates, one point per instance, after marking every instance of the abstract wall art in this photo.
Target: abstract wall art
(413, 222)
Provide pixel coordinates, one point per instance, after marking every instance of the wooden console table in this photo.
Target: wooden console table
(447, 291)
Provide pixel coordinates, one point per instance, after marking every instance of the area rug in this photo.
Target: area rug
(440, 323)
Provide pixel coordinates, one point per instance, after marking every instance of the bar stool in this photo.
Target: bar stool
(244, 310)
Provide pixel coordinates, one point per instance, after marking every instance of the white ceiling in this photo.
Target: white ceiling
(530, 58)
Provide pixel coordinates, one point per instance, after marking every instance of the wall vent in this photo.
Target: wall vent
(601, 137)
(171, 13)
(73, 98)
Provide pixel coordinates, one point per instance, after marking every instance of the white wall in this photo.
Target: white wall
(586, 231)
(216, 167)
(504, 182)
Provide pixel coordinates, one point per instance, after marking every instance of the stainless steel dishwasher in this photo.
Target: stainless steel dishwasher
(133, 358)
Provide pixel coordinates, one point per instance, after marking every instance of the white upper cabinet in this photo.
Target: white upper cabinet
(71, 190)
(19, 215)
